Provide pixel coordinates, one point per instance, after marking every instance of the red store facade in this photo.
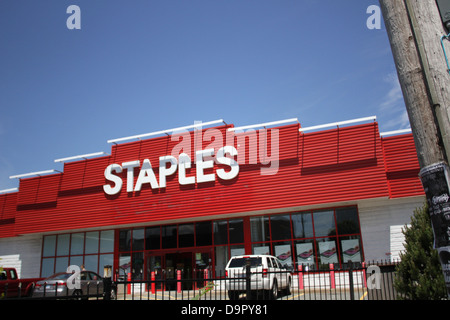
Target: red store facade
(306, 195)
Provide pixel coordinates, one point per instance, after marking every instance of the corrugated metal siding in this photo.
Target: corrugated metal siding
(8, 205)
(343, 164)
(402, 166)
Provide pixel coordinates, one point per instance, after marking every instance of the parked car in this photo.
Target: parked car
(13, 287)
(267, 276)
(91, 285)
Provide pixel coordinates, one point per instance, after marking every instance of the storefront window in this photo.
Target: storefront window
(324, 223)
(203, 231)
(169, 236)
(347, 220)
(280, 226)
(106, 241)
(80, 248)
(302, 225)
(236, 227)
(152, 238)
(91, 242)
(259, 228)
(305, 253)
(48, 267)
(186, 235)
(62, 248)
(350, 249)
(283, 251)
(220, 232)
(318, 237)
(327, 251)
(221, 258)
(260, 248)
(138, 239)
(77, 244)
(49, 246)
(125, 240)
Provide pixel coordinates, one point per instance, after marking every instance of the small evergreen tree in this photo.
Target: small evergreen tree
(419, 274)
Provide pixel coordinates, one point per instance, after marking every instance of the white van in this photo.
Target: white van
(267, 276)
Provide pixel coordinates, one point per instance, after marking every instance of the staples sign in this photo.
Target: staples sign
(168, 165)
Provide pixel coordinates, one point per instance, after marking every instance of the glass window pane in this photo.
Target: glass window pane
(124, 265)
(236, 228)
(186, 235)
(327, 251)
(237, 251)
(305, 253)
(125, 240)
(49, 246)
(138, 239)
(302, 225)
(169, 236)
(107, 241)
(61, 264)
(280, 227)
(220, 232)
(137, 266)
(261, 248)
(283, 251)
(105, 260)
(76, 260)
(324, 223)
(48, 265)
(91, 242)
(221, 259)
(350, 249)
(152, 238)
(347, 220)
(203, 233)
(259, 228)
(77, 243)
(91, 262)
(62, 249)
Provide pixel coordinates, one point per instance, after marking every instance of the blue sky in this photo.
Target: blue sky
(147, 65)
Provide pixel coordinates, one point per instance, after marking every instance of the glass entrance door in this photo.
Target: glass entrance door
(195, 266)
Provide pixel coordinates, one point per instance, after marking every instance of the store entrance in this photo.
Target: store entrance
(195, 266)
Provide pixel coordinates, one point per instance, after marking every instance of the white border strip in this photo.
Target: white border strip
(390, 133)
(82, 156)
(266, 124)
(139, 136)
(9, 190)
(336, 124)
(37, 173)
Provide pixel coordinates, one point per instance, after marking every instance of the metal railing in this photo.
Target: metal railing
(371, 281)
(351, 282)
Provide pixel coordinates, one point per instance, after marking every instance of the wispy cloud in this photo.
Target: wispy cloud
(392, 106)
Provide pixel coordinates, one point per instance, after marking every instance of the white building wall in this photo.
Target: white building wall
(381, 223)
(22, 253)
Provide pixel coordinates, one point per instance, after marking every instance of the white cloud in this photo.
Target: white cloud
(392, 106)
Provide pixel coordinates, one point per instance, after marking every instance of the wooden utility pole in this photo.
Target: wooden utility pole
(413, 82)
(415, 29)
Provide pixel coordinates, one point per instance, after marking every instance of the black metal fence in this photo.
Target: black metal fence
(371, 281)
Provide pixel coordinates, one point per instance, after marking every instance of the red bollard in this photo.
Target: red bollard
(364, 274)
(153, 282)
(332, 279)
(300, 277)
(129, 284)
(179, 281)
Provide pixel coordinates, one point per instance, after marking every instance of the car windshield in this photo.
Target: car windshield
(59, 276)
(241, 262)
